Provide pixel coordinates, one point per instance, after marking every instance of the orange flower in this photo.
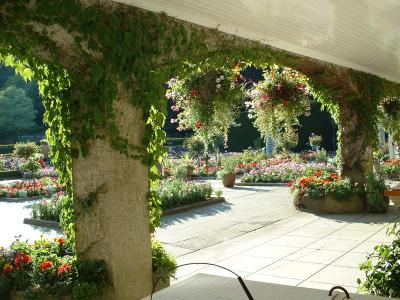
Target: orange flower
(61, 241)
(7, 269)
(63, 269)
(46, 265)
(318, 173)
(21, 258)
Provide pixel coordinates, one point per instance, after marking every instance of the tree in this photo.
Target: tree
(17, 115)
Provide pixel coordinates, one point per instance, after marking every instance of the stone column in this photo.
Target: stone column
(116, 228)
(356, 157)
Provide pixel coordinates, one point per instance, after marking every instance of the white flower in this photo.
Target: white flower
(247, 104)
(250, 116)
(217, 80)
(218, 86)
(232, 86)
(222, 77)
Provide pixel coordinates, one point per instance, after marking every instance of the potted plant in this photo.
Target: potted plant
(227, 173)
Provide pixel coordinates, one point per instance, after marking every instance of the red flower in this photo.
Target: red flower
(285, 102)
(46, 265)
(265, 97)
(194, 93)
(318, 173)
(63, 269)
(42, 164)
(7, 269)
(301, 86)
(238, 78)
(61, 241)
(198, 124)
(21, 258)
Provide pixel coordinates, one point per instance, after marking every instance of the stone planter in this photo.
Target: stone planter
(328, 204)
(19, 295)
(228, 180)
(395, 200)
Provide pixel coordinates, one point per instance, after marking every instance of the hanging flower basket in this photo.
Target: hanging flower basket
(277, 101)
(206, 100)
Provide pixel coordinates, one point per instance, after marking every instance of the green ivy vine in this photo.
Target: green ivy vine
(119, 47)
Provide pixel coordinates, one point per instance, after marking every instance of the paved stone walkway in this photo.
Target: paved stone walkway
(259, 234)
(12, 215)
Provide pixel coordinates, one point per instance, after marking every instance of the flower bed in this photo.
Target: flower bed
(47, 171)
(391, 169)
(10, 163)
(29, 188)
(175, 193)
(48, 268)
(206, 171)
(284, 172)
(48, 209)
(326, 192)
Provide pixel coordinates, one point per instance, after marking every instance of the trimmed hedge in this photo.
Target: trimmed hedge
(6, 149)
(10, 174)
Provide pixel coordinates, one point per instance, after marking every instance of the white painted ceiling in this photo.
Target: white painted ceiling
(360, 34)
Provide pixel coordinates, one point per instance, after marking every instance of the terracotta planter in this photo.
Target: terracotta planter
(328, 204)
(229, 180)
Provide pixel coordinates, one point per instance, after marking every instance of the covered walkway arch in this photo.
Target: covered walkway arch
(101, 66)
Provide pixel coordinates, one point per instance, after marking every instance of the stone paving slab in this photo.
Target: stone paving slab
(291, 248)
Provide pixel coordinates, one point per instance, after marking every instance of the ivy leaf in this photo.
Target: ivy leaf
(97, 73)
(98, 118)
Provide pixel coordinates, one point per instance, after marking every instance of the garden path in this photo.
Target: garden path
(12, 215)
(259, 234)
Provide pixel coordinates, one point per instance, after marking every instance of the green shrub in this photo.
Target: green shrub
(382, 269)
(180, 172)
(26, 150)
(31, 165)
(162, 260)
(218, 193)
(2, 165)
(175, 192)
(374, 189)
(249, 156)
(195, 146)
(228, 164)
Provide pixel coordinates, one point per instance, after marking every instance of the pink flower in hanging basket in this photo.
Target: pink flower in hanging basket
(198, 124)
(265, 97)
(194, 93)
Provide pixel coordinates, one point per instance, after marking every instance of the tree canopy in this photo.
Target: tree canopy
(17, 115)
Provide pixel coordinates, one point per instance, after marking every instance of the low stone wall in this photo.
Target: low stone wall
(21, 199)
(38, 222)
(179, 209)
(328, 204)
(261, 184)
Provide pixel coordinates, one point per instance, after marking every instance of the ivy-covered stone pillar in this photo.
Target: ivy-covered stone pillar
(115, 227)
(355, 155)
